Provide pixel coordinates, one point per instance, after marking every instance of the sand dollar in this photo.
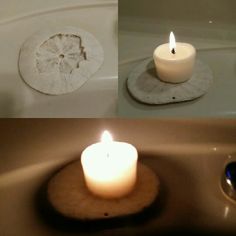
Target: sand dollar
(60, 60)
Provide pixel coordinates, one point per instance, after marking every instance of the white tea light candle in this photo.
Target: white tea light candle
(109, 167)
(174, 61)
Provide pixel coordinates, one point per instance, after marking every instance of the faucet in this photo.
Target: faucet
(228, 181)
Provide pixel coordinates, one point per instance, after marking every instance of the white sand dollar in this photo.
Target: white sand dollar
(59, 60)
(68, 194)
(145, 87)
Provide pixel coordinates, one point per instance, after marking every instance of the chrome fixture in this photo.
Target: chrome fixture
(229, 180)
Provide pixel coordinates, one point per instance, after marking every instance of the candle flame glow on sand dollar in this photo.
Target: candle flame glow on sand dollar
(172, 42)
(109, 167)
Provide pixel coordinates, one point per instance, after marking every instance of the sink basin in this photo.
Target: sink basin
(189, 157)
(97, 97)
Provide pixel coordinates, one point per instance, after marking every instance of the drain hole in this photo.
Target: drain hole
(106, 214)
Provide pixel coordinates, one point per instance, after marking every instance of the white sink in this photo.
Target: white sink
(189, 157)
(96, 98)
(212, 31)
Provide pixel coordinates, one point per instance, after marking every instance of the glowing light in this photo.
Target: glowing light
(172, 43)
(110, 167)
(106, 137)
(226, 212)
(229, 182)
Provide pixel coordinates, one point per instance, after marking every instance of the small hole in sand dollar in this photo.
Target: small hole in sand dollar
(106, 214)
(173, 97)
(61, 56)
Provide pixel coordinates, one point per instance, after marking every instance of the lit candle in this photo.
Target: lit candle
(174, 61)
(110, 168)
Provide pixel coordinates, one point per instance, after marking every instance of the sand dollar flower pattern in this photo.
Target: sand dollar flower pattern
(59, 60)
(61, 53)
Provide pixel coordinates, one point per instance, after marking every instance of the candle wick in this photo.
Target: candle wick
(173, 51)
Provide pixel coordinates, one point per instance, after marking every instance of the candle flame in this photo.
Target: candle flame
(172, 43)
(106, 137)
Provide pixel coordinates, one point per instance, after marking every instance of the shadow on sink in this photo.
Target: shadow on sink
(54, 219)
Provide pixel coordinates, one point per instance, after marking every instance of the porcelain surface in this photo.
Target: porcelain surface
(208, 25)
(97, 97)
(189, 157)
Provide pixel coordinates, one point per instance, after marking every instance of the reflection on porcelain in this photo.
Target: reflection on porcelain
(228, 181)
(226, 212)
